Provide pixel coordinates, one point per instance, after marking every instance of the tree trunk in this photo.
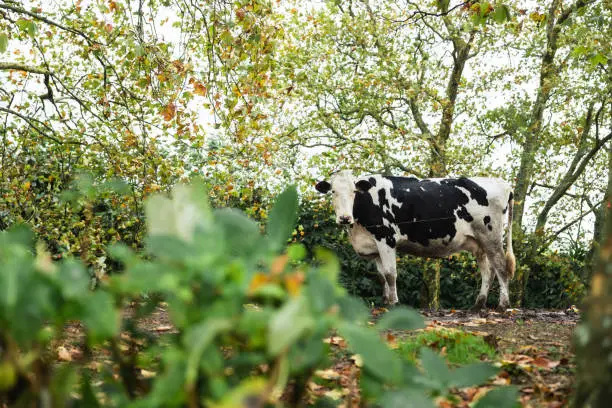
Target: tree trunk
(525, 173)
(592, 336)
(437, 160)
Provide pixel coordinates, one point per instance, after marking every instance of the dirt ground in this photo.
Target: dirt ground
(533, 352)
(534, 349)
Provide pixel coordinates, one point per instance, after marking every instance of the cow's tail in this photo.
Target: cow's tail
(510, 259)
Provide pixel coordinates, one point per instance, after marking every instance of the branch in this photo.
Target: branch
(567, 226)
(31, 121)
(423, 14)
(48, 21)
(6, 66)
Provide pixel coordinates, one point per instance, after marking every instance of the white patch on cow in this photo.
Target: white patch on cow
(362, 241)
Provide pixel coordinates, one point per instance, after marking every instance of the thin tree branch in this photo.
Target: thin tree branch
(6, 66)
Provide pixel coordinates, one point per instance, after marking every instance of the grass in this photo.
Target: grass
(458, 347)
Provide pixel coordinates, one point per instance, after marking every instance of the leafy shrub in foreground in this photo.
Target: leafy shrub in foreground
(250, 319)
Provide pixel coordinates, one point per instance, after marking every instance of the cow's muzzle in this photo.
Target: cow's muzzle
(345, 220)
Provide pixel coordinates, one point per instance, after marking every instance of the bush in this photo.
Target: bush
(250, 318)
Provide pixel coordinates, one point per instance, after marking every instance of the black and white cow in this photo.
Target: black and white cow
(426, 217)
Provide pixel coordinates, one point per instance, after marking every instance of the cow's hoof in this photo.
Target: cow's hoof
(480, 302)
(502, 308)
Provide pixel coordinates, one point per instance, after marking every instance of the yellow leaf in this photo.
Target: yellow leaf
(278, 264)
(294, 282)
(259, 279)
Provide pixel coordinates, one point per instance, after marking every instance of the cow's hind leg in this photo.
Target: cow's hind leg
(497, 259)
(486, 273)
(387, 267)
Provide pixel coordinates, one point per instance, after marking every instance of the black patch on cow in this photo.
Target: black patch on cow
(487, 220)
(511, 197)
(476, 192)
(490, 227)
(371, 216)
(427, 209)
(464, 214)
(372, 181)
(363, 185)
(382, 198)
(323, 187)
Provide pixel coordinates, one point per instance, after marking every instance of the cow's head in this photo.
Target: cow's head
(343, 187)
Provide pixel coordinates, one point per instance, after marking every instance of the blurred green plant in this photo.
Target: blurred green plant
(250, 317)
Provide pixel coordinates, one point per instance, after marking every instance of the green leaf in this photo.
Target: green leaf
(434, 366)
(598, 59)
(282, 218)
(401, 318)
(31, 29)
(377, 357)
(352, 309)
(240, 232)
(296, 252)
(74, 280)
(3, 42)
(330, 266)
(321, 292)
(406, 398)
(197, 338)
(89, 398)
(288, 324)
(501, 14)
(62, 384)
(443, 5)
(484, 6)
(100, 316)
(180, 216)
(472, 375)
(503, 397)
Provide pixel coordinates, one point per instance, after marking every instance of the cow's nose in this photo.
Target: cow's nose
(345, 219)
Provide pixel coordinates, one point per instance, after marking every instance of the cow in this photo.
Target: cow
(433, 217)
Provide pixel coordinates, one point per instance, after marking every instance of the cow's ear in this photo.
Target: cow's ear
(363, 185)
(323, 187)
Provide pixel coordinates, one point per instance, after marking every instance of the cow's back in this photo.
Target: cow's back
(431, 217)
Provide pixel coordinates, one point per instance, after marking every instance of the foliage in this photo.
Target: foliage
(250, 319)
(459, 347)
(254, 94)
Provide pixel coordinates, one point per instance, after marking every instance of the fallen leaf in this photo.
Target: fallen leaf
(336, 341)
(545, 363)
(501, 380)
(333, 394)
(356, 358)
(147, 373)
(63, 354)
(329, 374)
(392, 341)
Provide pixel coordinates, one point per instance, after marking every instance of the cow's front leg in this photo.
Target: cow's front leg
(487, 275)
(383, 281)
(388, 268)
